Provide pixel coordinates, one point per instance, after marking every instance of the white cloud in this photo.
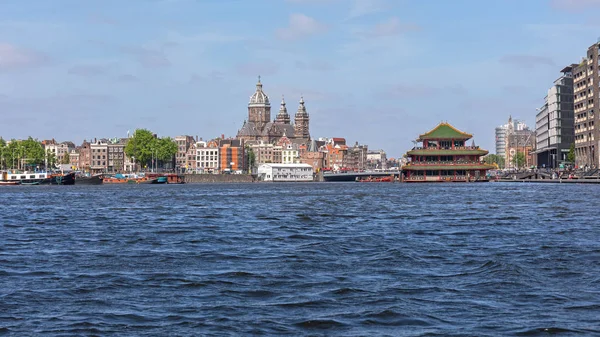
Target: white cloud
(575, 5)
(526, 61)
(316, 65)
(148, 58)
(390, 27)
(13, 57)
(258, 68)
(88, 70)
(365, 7)
(301, 26)
(127, 78)
(311, 2)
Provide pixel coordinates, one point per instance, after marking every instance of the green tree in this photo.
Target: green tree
(519, 159)
(22, 154)
(571, 155)
(143, 146)
(166, 148)
(251, 158)
(66, 159)
(2, 153)
(494, 159)
(12, 152)
(33, 152)
(140, 145)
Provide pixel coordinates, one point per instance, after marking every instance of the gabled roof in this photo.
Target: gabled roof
(444, 131)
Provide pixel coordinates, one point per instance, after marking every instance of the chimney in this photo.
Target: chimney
(222, 136)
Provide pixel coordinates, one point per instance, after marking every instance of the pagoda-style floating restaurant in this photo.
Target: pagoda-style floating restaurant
(444, 157)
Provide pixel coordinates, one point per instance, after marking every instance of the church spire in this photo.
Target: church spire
(301, 121)
(283, 116)
(301, 107)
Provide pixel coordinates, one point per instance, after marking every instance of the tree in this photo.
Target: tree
(33, 152)
(166, 148)
(494, 159)
(519, 159)
(139, 146)
(66, 159)
(251, 158)
(21, 154)
(144, 146)
(11, 154)
(571, 155)
(2, 153)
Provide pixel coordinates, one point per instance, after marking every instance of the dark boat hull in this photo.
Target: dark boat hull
(93, 180)
(60, 179)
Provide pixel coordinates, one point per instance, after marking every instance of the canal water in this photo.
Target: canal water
(345, 259)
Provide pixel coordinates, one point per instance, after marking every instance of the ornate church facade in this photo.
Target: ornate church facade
(259, 126)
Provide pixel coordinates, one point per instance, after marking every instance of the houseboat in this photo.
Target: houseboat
(166, 178)
(15, 177)
(445, 157)
(60, 179)
(129, 179)
(95, 179)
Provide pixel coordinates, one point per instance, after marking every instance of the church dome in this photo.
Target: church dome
(259, 98)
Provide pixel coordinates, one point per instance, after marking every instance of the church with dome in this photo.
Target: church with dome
(260, 127)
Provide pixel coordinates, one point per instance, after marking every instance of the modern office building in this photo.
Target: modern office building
(585, 96)
(554, 122)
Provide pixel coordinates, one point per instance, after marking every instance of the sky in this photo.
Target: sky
(377, 72)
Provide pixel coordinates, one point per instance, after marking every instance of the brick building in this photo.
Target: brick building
(183, 146)
(232, 155)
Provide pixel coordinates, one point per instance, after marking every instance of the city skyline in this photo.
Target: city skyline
(370, 71)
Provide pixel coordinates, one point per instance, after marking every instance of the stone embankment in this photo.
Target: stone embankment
(218, 178)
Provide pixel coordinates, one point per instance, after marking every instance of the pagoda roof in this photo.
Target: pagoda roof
(423, 167)
(444, 131)
(447, 152)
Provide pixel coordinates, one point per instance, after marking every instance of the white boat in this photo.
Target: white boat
(15, 177)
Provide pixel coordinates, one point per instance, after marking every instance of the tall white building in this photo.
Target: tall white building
(501, 132)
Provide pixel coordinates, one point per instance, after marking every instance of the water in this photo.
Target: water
(300, 259)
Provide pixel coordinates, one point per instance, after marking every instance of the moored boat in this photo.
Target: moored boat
(9, 183)
(89, 180)
(369, 179)
(160, 180)
(168, 178)
(59, 179)
(129, 179)
(16, 177)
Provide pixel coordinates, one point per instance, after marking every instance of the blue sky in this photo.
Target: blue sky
(379, 72)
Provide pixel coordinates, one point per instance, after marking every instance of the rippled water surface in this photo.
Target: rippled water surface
(300, 259)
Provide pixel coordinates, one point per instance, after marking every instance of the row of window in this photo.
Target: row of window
(209, 152)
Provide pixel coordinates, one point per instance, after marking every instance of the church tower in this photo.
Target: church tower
(259, 108)
(282, 116)
(301, 122)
